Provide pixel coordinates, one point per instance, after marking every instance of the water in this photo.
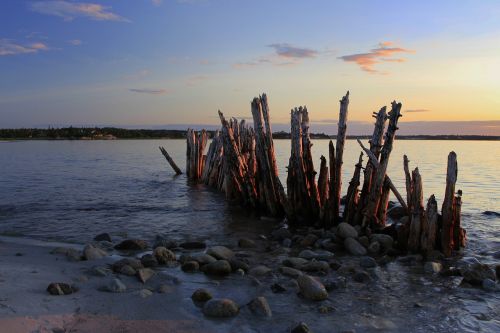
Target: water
(72, 190)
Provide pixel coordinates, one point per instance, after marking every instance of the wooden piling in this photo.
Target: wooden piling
(170, 161)
(417, 217)
(429, 227)
(447, 231)
(352, 197)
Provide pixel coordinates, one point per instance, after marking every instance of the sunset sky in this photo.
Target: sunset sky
(152, 63)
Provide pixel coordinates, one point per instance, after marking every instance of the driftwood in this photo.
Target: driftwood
(323, 181)
(195, 159)
(417, 217)
(352, 196)
(406, 168)
(429, 227)
(370, 214)
(170, 161)
(459, 236)
(448, 206)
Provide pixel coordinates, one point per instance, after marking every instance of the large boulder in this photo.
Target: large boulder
(354, 247)
(312, 289)
(220, 252)
(345, 230)
(132, 245)
(220, 308)
(91, 252)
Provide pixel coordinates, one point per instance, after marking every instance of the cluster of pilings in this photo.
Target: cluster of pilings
(241, 162)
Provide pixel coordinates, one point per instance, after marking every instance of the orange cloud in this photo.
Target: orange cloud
(367, 61)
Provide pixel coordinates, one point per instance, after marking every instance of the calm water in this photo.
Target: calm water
(73, 190)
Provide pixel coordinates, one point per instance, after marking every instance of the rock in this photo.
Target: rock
(451, 271)
(99, 271)
(190, 266)
(309, 240)
(311, 288)
(384, 240)
(163, 255)
(162, 241)
(132, 245)
(345, 230)
(103, 237)
(277, 288)
(219, 267)
(294, 262)
(204, 259)
(335, 283)
(476, 273)
(290, 272)
(301, 328)
(220, 252)
(260, 270)
(116, 286)
(60, 288)
(144, 293)
(201, 295)
(165, 289)
(246, 243)
(432, 267)
(145, 274)
(374, 247)
(133, 263)
(363, 240)
(367, 262)
(353, 247)
(149, 260)
(324, 309)
(238, 264)
(396, 212)
(194, 245)
(70, 253)
(127, 270)
(315, 266)
(260, 307)
(489, 285)
(220, 308)
(318, 254)
(281, 234)
(384, 260)
(361, 277)
(287, 242)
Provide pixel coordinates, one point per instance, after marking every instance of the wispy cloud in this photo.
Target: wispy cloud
(71, 10)
(195, 80)
(149, 91)
(367, 61)
(9, 47)
(288, 51)
(157, 3)
(75, 42)
(417, 110)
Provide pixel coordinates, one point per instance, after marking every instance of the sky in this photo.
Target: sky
(174, 63)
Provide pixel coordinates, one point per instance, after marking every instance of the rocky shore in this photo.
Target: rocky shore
(308, 280)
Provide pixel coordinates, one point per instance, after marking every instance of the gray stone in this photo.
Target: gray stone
(260, 307)
(190, 266)
(132, 245)
(127, 270)
(131, 262)
(318, 254)
(70, 253)
(367, 262)
(99, 271)
(432, 267)
(149, 260)
(301, 328)
(103, 237)
(291, 272)
(220, 252)
(363, 240)
(361, 277)
(163, 255)
(144, 293)
(144, 274)
(287, 242)
(476, 273)
(489, 285)
(294, 262)
(60, 288)
(345, 230)
(374, 247)
(204, 258)
(353, 247)
(309, 240)
(335, 283)
(260, 270)
(116, 286)
(220, 308)
(201, 295)
(312, 289)
(238, 264)
(385, 241)
(246, 243)
(315, 266)
(219, 267)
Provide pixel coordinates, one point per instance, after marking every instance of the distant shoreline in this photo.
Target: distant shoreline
(112, 133)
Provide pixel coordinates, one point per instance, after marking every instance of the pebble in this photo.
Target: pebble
(432, 267)
(144, 293)
(144, 274)
(201, 295)
(246, 243)
(219, 267)
(312, 289)
(149, 260)
(103, 237)
(281, 234)
(127, 270)
(294, 262)
(193, 245)
(164, 242)
(309, 240)
(220, 308)
(291, 272)
(345, 230)
(301, 328)
(190, 266)
(220, 252)
(315, 266)
(374, 247)
(363, 240)
(260, 307)
(132, 244)
(163, 255)
(204, 258)
(489, 285)
(367, 262)
(335, 283)
(277, 288)
(60, 288)
(361, 277)
(354, 247)
(116, 286)
(260, 270)
(318, 254)
(384, 240)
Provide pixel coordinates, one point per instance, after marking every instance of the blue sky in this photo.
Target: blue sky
(153, 63)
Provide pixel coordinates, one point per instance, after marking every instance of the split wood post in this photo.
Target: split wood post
(448, 205)
(459, 238)
(406, 168)
(339, 146)
(170, 161)
(375, 146)
(417, 212)
(429, 228)
(352, 197)
(323, 181)
(370, 217)
(328, 216)
(265, 157)
(384, 200)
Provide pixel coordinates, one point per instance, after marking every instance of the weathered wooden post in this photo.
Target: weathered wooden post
(448, 205)
(352, 198)
(429, 227)
(170, 161)
(417, 217)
